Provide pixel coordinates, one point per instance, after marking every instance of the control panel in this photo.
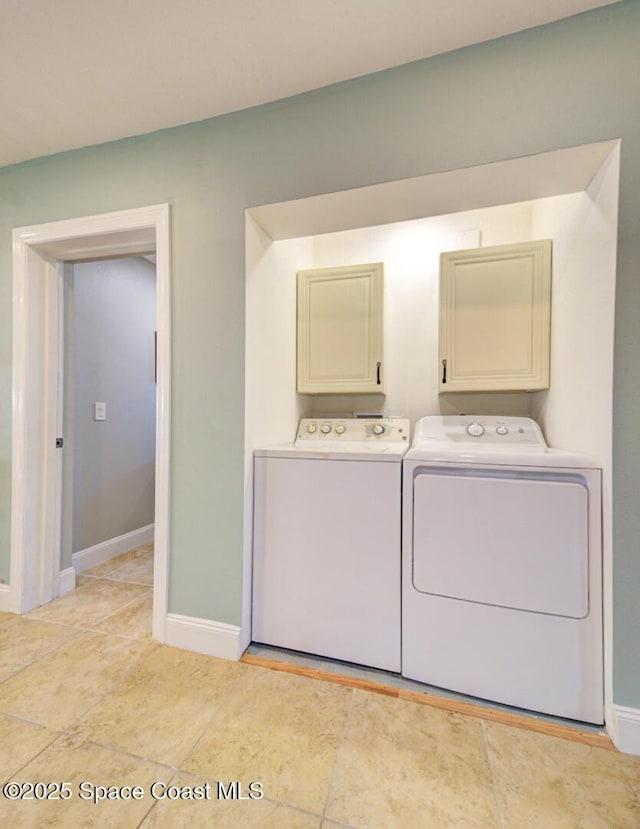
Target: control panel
(387, 429)
(479, 430)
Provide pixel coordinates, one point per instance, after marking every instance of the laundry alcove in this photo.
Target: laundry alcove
(568, 195)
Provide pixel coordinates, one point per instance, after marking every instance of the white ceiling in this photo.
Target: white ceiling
(79, 72)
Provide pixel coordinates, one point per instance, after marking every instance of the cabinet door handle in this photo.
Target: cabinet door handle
(444, 371)
(378, 373)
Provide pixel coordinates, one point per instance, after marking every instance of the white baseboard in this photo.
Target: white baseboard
(203, 636)
(89, 557)
(626, 729)
(6, 605)
(67, 581)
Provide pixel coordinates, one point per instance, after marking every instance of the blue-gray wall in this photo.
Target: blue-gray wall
(114, 319)
(569, 83)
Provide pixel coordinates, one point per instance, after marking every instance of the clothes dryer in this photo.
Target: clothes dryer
(502, 595)
(327, 535)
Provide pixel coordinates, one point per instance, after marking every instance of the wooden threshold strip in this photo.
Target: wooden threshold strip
(564, 732)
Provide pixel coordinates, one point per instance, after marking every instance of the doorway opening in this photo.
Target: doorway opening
(109, 411)
(42, 254)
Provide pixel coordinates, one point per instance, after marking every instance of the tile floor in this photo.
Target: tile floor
(88, 699)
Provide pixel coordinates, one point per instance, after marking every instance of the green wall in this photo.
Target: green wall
(565, 84)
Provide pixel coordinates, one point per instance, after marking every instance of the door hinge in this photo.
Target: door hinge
(59, 443)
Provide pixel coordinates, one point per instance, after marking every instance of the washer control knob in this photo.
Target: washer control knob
(311, 428)
(339, 430)
(325, 428)
(378, 429)
(475, 430)
(501, 429)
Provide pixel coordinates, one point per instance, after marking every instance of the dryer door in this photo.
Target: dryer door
(514, 539)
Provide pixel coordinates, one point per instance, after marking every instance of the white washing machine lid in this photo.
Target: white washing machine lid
(488, 440)
(328, 450)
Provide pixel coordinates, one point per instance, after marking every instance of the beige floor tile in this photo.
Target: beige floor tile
(404, 765)
(547, 782)
(22, 640)
(133, 566)
(89, 604)
(222, 813)
(76, 762)
(281, 730)
(83, 578)
(134, 620)
(164, 704)
(136, 571)
(6, 617)
(61, 686)
(20, 742)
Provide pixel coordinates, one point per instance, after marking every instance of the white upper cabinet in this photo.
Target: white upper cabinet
(340, 330)
(495, 313)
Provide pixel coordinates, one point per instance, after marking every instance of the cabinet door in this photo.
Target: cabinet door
(340, 330)
(495, 311)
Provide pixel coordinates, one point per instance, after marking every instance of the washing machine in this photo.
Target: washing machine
(327, 536)
(502, 563)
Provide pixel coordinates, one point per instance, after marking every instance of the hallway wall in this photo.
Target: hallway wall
(114, 319)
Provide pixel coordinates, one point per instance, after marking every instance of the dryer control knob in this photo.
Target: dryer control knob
(501, 429)
(340, 429)
(378, 429)
(311, 428)
(325, 428)
(475, 430)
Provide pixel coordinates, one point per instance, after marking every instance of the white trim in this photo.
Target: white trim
(163, 423)
(66, 581)
(52, 411)
(245, 633)
(125, 231)
(203, 636)
(90, 556)
(20, 427)
(625, 731)
(6, 605)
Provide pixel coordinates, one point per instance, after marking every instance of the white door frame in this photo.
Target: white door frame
(35, 503)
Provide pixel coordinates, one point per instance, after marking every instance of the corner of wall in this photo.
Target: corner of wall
(625, 731)
(204, 636)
